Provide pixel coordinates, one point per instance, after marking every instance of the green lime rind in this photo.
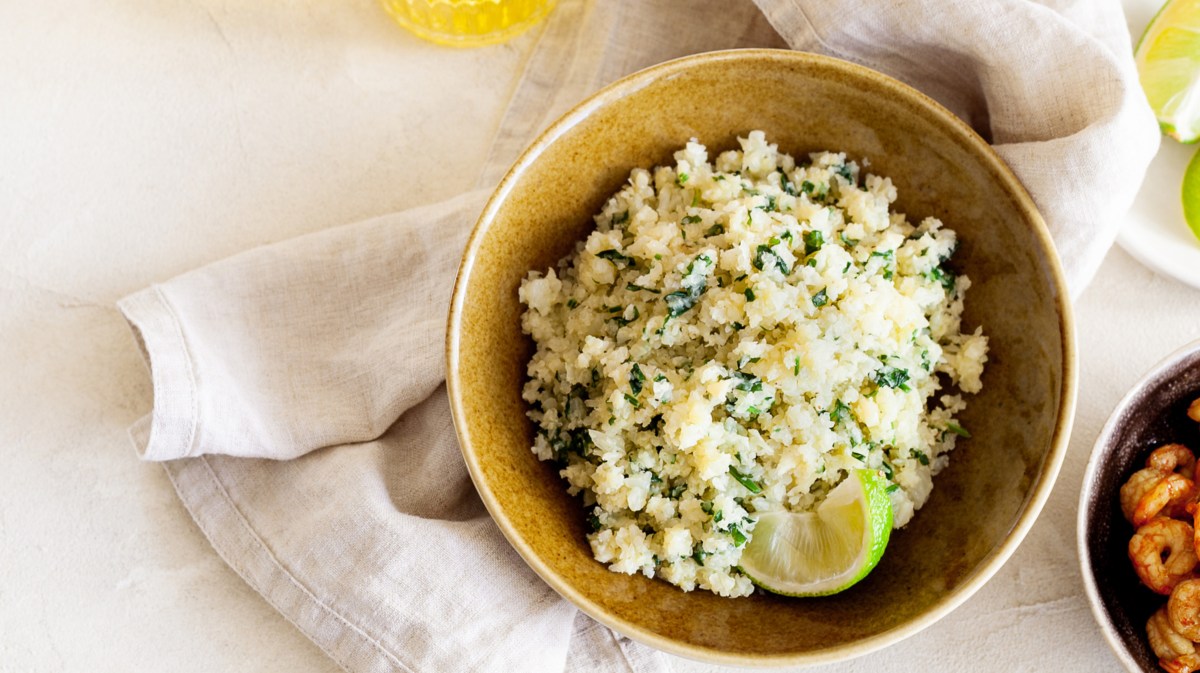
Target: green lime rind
(861, 500)
(1153, 20)
(1168, 63)
(1191, 195)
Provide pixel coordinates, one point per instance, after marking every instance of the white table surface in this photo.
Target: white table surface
(139, 140)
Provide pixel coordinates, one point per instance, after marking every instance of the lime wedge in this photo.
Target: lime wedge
(1191, 195)
(1168, 63)
(826, 551)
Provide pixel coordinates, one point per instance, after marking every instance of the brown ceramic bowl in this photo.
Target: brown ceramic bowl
(1153, 413)
(982, 505)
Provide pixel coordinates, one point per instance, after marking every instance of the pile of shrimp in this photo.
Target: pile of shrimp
(1162, 502)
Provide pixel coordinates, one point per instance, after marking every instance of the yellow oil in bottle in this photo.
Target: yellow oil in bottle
(468, 23)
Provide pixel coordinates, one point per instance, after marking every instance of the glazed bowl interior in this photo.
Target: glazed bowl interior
(1153, 413)
(997, 481)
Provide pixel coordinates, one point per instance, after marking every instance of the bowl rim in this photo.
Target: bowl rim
(1087, 490)
(1051, 462)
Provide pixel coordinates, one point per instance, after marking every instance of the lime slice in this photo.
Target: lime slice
(1168, 63)
(826, 551)
(1191, 195)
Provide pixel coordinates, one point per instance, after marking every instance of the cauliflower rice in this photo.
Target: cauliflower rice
(734, 338)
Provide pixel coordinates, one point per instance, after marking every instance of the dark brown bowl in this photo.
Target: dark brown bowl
(982, 504)
(1153, 413)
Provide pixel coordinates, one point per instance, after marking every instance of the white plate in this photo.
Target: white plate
(1154, 231)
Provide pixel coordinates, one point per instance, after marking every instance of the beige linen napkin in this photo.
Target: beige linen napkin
(298, 399)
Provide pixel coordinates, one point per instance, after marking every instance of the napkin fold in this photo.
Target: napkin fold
(298, 399)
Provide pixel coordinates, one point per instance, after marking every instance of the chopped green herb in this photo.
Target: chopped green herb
(621, 218)
(699, 555)
(846, 268)
(859, 456)
(765, 255)
(622, 321)
(633, 401)
(636, 379)
(747, 382)
(699, 258)
(892, 488)
(770, 203)
(681, 179)
(739, 538)
(813, 240)
(891, 377)
(718, 516)
(691, 219)
(944, 276)
(816, 192)
(737, 327)
(839, 411)
(844, 171)
(679, 302)
(925, 363)
(785, 183)
(749, 294)
(849, 242)
(571, 303)
(888, 470)
(958, 430)
(594, 523)
(889, 259)
(744, 480)
(706, 506)
(920, 456)
(614, 256)
(676, 491)
(820, 299)
(796, 368)
(635, 288)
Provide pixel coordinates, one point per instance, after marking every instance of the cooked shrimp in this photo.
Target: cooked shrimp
(1162, 553)
(1167, 643)
(1188, 663)
(1169, 497)
(1137, 487)
(1183, 609)
(1173, 458)
(1194, 410)
(1193, 508)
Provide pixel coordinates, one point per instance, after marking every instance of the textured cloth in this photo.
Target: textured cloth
(298, 398)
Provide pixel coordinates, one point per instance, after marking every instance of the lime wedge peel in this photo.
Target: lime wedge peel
(823, 552)
(1191, 195)
(1168, 63)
